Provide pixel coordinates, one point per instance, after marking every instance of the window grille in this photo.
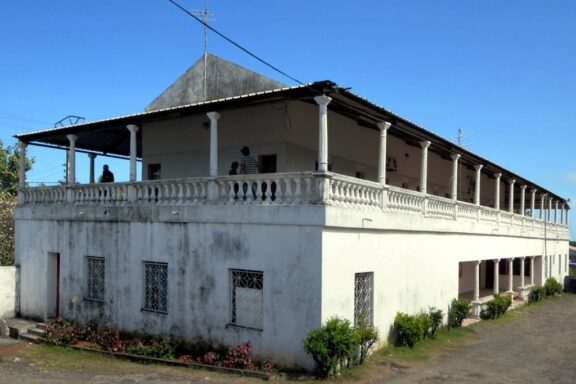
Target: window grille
(247, 298)
(95, 277)
(363, 297)
(156, 287)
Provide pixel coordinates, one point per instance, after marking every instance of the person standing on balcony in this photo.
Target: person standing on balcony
(248, 165)
(107, 175)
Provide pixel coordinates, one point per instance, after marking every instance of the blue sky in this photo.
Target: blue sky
(502, 71)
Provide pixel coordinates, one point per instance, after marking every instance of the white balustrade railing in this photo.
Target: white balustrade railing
(279, 189)
(440, 207)
(351, 192)
(405, 201)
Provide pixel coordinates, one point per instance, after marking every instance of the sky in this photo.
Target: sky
(502, 71)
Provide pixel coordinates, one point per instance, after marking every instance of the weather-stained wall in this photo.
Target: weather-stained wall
(7, 292)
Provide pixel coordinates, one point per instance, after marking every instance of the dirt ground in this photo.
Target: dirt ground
(536, 346)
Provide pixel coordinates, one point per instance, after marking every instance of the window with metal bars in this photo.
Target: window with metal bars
(363, 297)
(155, 287)
(95, 278)
(247, 300)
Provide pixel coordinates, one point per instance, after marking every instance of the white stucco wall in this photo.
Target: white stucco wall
(7, 292)
(199, 256)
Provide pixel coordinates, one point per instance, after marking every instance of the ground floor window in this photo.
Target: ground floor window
(156, 287)
(363, 297)
(95, 278)
(247, 299)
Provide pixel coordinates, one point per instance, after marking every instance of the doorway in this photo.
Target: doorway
(53, 285)
(489, 276)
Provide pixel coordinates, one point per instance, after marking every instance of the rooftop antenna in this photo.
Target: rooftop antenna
(460, 136)
(205, 16)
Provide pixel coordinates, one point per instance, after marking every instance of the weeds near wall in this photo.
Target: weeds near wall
(496, 307)
(457, 312)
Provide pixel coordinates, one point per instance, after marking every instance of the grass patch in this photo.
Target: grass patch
(445, 341)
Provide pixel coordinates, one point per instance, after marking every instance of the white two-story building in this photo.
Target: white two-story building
(355, 211)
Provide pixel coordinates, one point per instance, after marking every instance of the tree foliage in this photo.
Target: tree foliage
(9, 176)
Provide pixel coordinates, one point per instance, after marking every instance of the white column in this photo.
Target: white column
(522, 199)
(496, 276)
(424, 167)
(510, 275)
(532, 270)
(567, 217)
(533, 202)
(323, 102)
(542, 201)
(556, 212)
(22, 162)
(497, 195)
(478, 168)
(384, 126)
(549, 210)
(522, 272)
(133, 151)
(563, 214)
(92, 156)
(72, 159)
(511, 202)
(213, 116)
(454, 193)
(477, 280)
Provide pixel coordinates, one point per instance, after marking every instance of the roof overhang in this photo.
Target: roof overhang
(111, 136)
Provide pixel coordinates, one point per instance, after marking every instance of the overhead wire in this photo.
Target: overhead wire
(245, 50)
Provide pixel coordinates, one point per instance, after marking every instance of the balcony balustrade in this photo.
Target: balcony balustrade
(279, 189)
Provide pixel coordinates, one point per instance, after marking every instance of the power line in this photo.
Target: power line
(234, 43)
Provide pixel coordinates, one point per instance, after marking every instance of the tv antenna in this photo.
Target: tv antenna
(460, 136)
(205, 16)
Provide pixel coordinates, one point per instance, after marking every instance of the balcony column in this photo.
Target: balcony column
(72, 159)
(424, 167)
(563, 214)
(497, 195)
(213, 116)
(383, 126)
(549, 210)
(323, 102)
(478, 168)
(567, 217)
(476, 304)
(522, 200)
(133, 151)
(22, 162)
(556, 212)
(91, 156)
(496, 276)
(532, 270)
(542, 201)
(533, 202)
(454, 190)
(522, 272)
(511, 200)
(511, 275)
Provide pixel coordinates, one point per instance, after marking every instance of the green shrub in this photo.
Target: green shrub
(367, 337)
(424, 323)
(459, 309)
(408, 329)
(536, 294)
(497, 307)
(435, 315)
(552, 287)
(332, 346)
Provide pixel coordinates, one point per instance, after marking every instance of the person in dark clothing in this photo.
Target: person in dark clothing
(233, 168)
(107, 175)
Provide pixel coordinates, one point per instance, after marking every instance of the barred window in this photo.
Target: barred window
(247, 298)
(363, 297)
(95, 278)
(156, 287)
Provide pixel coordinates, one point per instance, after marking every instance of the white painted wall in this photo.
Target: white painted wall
(199, 256)
(7, 292)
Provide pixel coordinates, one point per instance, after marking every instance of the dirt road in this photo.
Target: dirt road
(539, 346)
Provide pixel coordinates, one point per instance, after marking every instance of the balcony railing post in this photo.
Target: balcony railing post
(131, 193)
(323, 187)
